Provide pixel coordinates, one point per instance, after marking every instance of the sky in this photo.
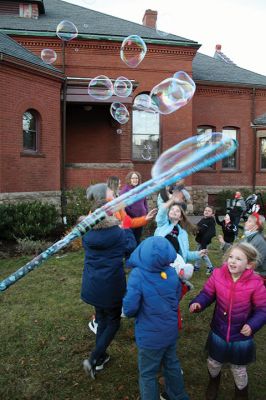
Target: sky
(238, 25)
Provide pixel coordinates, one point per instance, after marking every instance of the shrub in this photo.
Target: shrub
(76, 205)
(34, 220)
(27, 246)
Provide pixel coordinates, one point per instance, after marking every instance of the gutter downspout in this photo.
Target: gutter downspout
(253, 106)
(63, 143)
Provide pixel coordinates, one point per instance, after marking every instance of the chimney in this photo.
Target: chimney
(218, 48)
(150, 18)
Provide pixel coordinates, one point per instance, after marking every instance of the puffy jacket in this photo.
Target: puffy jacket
(206, 231)
(164, 227)
(103, 280)
(237, 303)
(151, 297)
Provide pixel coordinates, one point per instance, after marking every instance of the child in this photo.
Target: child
(152, 297)
(237, 209)
(229, 229)
(104, 282)
(206, 231)
(240, 309)
(172, 224)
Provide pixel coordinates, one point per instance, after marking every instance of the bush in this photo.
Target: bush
(34, 220)
(76, 205)
(27, 246)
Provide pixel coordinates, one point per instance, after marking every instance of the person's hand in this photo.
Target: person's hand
(151, 214)
(195, 307)
(221, 239)
(203, 252)
(246, 330)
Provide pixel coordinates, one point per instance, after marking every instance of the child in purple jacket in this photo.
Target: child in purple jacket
(240, 312)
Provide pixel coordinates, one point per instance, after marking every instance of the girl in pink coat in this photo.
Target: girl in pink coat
(240, 311)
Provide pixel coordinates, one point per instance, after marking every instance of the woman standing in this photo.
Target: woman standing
(140, 207)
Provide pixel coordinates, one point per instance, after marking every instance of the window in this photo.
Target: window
(145, 135)
(30, 131)
(230, 162)
(263, 153)
(204, 137)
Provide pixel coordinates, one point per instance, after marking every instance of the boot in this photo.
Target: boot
(241, 394)
(213, 387)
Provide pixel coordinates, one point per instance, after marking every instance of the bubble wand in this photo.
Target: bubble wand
(185, 158)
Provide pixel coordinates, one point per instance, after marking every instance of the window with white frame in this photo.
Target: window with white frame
(145, 135)
(230, 162)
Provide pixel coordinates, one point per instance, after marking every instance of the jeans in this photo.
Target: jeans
(150, 362)
(205, 258)
(108, 320)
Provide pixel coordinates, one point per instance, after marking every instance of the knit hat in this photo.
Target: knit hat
(96, 192)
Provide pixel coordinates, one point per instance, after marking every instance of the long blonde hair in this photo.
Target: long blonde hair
(250, 251)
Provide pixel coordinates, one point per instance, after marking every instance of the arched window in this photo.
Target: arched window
(204, 135)
(231, 162)
(145, 135)
(30, 124)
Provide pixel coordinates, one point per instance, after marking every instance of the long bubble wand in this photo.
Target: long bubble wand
(183, 159)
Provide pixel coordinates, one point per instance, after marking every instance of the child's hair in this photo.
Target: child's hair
(129, 175)
(184, 222)
(211, 207)
(259, 220)
(113, 184)
(250, 251)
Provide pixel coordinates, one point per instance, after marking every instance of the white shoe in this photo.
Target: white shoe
(92, 325)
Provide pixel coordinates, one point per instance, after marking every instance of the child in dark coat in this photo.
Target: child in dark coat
(206, 231)
(229, 229)
(104, 283)
(152, 297)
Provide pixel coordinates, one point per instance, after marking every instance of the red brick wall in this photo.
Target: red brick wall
(24, 91)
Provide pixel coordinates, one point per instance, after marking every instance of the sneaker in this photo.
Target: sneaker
(164, 396)
(89, 369)
(100, 363)
(92, 325)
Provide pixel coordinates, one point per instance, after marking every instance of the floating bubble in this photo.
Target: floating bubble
(101, 87)
(66, 30)
(122, 115)
(146, 152)
(119, 131)
(187, 84)
(143, 102)
(48, 56)
(133, 50)
(168, 96)
(164, 21)
(114, 106)
(123, 87)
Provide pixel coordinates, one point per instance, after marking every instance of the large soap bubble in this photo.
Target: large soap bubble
(101, 87)
(66, 30)
(187, 84)
(48, 56)
(133, 50)
(168, 96)
(123, 87)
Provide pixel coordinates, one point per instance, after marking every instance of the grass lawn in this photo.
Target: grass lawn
(44, 339)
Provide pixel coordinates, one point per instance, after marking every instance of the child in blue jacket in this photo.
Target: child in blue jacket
(152, 297)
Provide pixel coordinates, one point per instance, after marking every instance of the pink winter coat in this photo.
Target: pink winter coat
(237, 303)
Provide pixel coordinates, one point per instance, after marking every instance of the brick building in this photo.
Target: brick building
(54, 136)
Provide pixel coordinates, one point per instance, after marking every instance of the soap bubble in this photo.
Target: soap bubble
(146, 152)
(119, 131)
(48, 56)
(66, 30)
(122, 115)
(168, 96)
(133, 50)
(123, 87)
(187, 84)
(101, 87)
(114, 106)
(143, 102)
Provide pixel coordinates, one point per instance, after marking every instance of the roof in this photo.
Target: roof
(88, 22)
(11, 48)
(209, 70)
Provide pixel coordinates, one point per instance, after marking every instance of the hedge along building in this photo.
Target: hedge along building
(72, 139)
